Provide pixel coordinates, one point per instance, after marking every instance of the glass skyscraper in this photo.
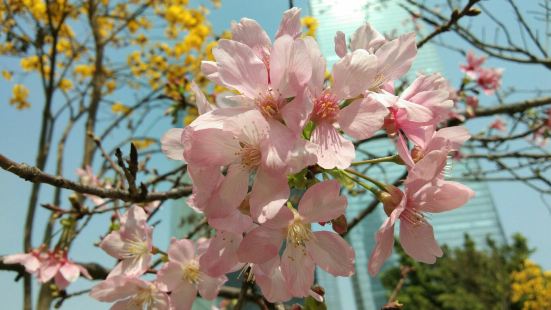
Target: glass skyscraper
(478, 218)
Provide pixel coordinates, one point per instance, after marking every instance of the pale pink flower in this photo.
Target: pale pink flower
(245, 146)
(131, 293)
(473, 65)
(449, 138)
(425, 191)
(183, 274)
(489, 79)
(421, 106)
(394, 58)
(266, 75)
(31, 261)
(304, 248)
(131, 244)
(360, 119)
(61, 269)
(49, 265)
(498, 124)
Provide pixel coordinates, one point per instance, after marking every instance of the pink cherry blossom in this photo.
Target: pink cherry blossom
(131, 293)
(425, 191)
(360, 119)
(498, 124)
(305, 248)
(49, 265)
(449, 138)
(183, 275)
(489, 79)
(131, 244)
(473, 65)
(221, 255)
(61, 269)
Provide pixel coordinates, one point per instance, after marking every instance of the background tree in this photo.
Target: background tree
(468, 278)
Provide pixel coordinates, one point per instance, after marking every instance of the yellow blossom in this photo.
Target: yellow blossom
(311, 24)
(118, 107)
(7, 75)
(531, 287)
(65, 85)
(84, 70)
(192, 114)
(20, 93)
(111, 85)
(30, 63)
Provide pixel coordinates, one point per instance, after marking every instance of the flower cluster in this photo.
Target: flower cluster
(287, 118)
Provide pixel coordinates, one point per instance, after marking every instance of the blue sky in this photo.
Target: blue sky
(520, 209)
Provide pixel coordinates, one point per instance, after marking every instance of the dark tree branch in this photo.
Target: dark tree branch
(36, 175)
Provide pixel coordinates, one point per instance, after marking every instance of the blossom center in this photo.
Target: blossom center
(326, 108)
(412, 216)
(144, 297)
(191, 272)
(299, 232)
(250, 155)
(269, 104)
(136, 248)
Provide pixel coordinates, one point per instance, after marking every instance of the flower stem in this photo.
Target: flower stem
(391, 159)
(365, 177)
(370, 188)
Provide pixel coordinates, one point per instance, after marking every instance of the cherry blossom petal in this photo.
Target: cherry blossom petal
(340, 44)
(352, 73)
(170, 276)
(221, 256)
(384, 242)
(70, 272)
(322, 202)
(271, 282)
(211, 147)
(171, 144)
(445, 197)
(203, 106)
(362, 118)
(113, 244)
(367, 38)
(333, 149)
(269, 193)
(290, 23)
(183, 297)
(116, 288)
(298, 270)
(260, 245)
(231, 193)
(239, 68)
(236, 222)
(319, 65)
(417, 240)
(181, 251)
(250, 33)
(29, 261)
(209, 286)
(452, 137)
(403, 150)
(331, 253)
(395, 57)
